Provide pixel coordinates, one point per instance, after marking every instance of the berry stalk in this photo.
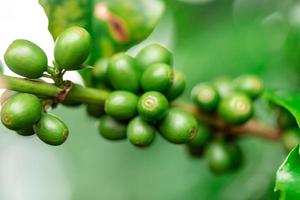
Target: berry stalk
(77, 92)
(252, 127)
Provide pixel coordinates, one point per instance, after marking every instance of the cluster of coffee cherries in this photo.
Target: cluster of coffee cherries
(229, 103)
(138, 106)
(27, 114)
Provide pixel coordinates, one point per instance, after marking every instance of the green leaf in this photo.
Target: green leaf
(288, 100)
(288, 176)
(115, 25)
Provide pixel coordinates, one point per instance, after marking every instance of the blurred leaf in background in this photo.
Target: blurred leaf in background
(115, 25)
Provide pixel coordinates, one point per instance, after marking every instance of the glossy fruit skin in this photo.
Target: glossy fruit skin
(223, 85)
(95, 110)
(121, 105)
(236, 109)
(100, 72)
(250, 85)
(291, 138)
(51, 130)
(152, 106)
(26, 59)
(202, 137)
(124, 73)
(111, 128)
(177, 87)
(197, 145)
(21, 111)
(178, 126)
(157, 77)
(140, 132)
(72, 48)
(205, 96)
(153, 54)
(26, 131)
(222, 156)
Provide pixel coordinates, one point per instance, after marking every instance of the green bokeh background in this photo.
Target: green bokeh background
(208, 40)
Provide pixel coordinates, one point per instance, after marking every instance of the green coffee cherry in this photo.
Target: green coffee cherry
(152, 106)
(236, 109)
(199, 142)
(72, 48)
(291, 138)
(178, 126)
(157, 77)
(140, 132)
(51, 130)
(26, 59)
(124, 73)
(202, 137)
(286, 119)
(250, 85)
(95, 110)
(205, 96)
(21, 111)
(153, 54)
(26, 131)
(111, 128)
(223, 85)
(222, 157)
(177, 87)
(100, 72)
(121, 105)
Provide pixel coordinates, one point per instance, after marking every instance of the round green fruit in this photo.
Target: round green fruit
(291, 138)
(223, 85)
(153, 54)
(178, 126)
(26, 59)
(222, 157)
(152, 106)
(236, 109)
(100, 72)
(111, 128)
(202, 137)
(199, 142)
(140, 132)
(121, 105)
(177, 87)
(206, 97)
(21, 111)
(51, 130)
(26, 131)
(124, 73)
(95, 110)
(157, 77)
(72, 48)
(250, 85)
